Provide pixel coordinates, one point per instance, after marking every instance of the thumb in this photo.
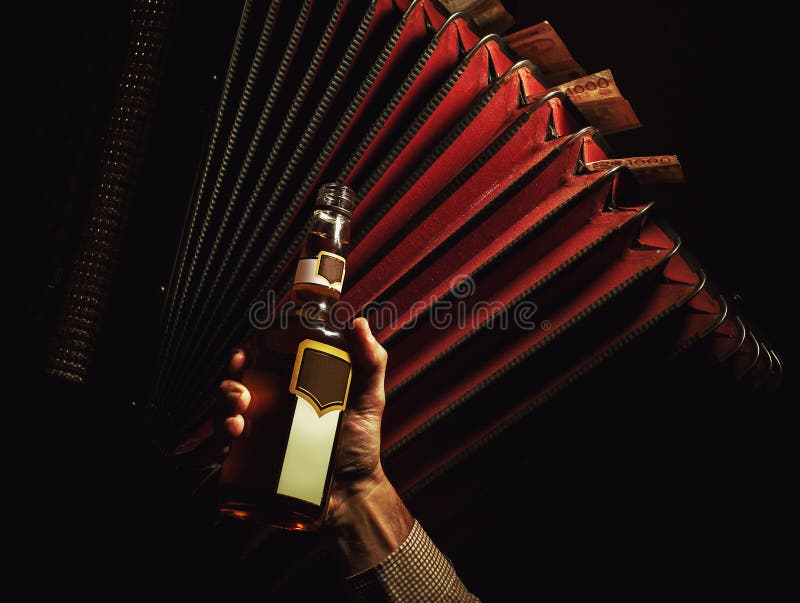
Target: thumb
(369, 367)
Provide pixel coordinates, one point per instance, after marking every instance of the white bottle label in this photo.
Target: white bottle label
(320, 382)
(308, 453)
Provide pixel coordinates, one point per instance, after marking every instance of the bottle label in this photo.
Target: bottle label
(320, 383)
(321, 376)
(327, 269)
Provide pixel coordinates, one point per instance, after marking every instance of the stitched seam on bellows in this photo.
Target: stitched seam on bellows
(332, 90)
(600, 302)
(541, 399)
(426, 163)
(419, 121)
(539, 284)
(389, 108)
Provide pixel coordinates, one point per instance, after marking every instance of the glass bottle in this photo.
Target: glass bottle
(280, 470)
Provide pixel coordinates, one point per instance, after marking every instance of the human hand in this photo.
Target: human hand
(365, 516)
(357, 469)
(234, 400)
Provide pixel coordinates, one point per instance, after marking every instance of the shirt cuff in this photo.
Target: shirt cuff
(416, 571)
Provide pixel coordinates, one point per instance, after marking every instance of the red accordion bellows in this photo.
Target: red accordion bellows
(472, 199)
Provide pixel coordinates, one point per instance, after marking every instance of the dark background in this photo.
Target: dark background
(666, 487)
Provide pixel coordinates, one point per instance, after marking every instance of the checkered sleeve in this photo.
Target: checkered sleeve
(415, 571)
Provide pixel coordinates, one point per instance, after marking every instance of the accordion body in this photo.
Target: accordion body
(496, 267)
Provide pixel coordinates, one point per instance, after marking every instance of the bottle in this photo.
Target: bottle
(280, 470)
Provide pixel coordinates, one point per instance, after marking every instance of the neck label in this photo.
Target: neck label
(326, 270)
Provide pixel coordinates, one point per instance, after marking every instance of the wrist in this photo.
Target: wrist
(348, 493)
(367, 520)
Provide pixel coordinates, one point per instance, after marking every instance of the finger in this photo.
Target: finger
(235, 396)
(369, 360)
(234, 426)
(236, 364)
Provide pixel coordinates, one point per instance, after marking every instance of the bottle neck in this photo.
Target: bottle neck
(318, 281)
(322, 266)
(322, 263)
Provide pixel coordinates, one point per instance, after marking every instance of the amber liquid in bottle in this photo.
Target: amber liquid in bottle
(280, 470)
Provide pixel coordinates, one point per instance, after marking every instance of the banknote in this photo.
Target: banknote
(489, 15)
(598, 98)
(544, 47)
(657, 168)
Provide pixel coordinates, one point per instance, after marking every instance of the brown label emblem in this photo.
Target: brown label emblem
(321, 376)
(331, 267)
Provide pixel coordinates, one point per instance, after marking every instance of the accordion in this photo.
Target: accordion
(501, 255)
